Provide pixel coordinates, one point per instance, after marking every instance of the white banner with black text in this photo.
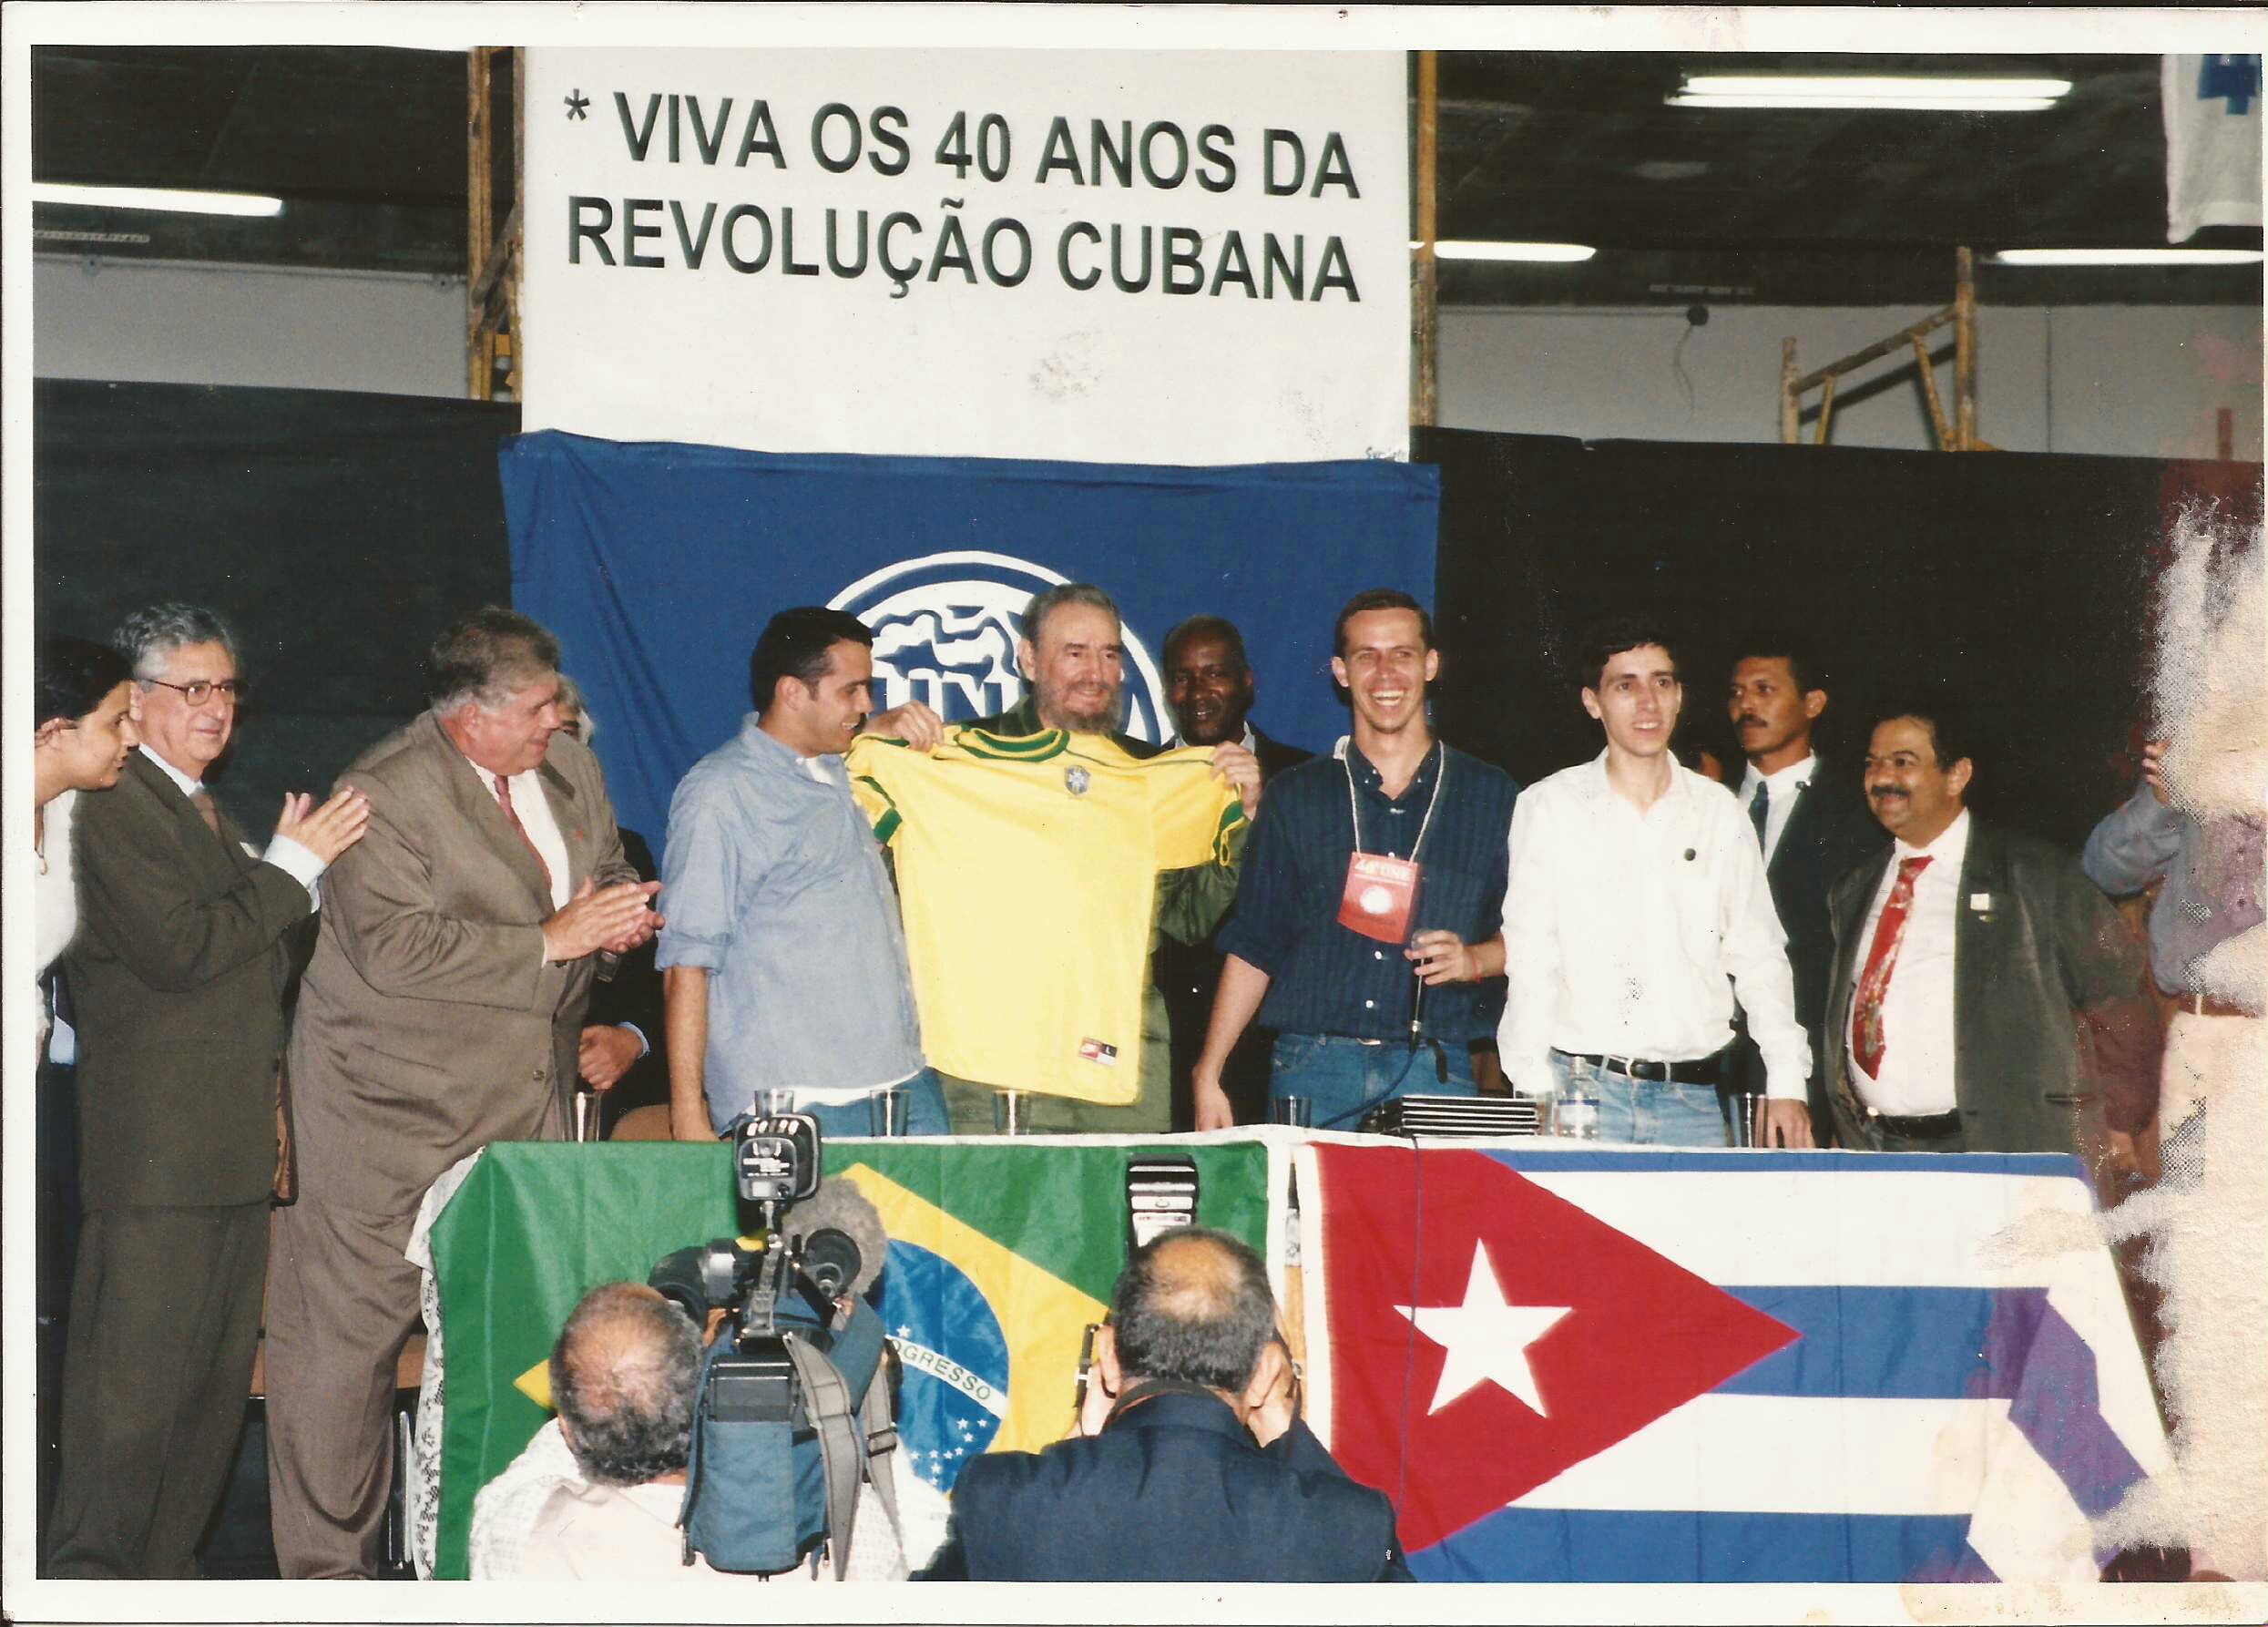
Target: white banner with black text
(1160, 257)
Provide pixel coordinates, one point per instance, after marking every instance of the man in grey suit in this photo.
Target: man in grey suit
(1984, 988)
(178, 977)
(443, 1011)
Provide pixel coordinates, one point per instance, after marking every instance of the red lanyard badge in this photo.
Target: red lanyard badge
(1380, 899)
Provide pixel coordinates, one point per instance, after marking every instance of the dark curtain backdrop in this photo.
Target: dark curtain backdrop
(2022, 581)
(337, 532)
(341, 531)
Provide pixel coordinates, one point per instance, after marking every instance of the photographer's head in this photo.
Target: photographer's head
(1193, 1307)
(625, 1375)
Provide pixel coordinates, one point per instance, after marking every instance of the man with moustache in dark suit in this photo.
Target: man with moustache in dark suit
(1811, 820)
(1209, 684)
(1984, 988)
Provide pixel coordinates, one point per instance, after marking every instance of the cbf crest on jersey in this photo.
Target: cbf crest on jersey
(946, 626)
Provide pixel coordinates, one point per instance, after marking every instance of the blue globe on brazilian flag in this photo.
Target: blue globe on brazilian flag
(1000, 1255)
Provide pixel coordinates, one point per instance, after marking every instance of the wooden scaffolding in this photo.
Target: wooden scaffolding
(1960, 434)
(492, 290)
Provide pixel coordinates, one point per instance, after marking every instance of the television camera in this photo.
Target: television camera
(775, 1460)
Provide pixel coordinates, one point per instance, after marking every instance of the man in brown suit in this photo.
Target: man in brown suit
(178, 977)
(443, 1011)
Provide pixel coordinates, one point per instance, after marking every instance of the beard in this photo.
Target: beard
(1064, 712)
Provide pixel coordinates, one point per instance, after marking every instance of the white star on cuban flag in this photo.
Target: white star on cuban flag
(1486, 1339)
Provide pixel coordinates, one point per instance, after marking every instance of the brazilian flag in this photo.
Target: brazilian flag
(1000, 1255)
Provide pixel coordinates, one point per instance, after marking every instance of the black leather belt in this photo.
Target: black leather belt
(1705, 1071)
(1926, 1127)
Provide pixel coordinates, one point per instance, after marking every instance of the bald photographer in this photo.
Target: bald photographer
(1191, 1462)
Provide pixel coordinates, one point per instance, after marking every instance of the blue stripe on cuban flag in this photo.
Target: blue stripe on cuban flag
(1964, 1395)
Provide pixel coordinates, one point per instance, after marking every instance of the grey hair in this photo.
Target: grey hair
(147, 635)
(1046, 601)
(625, 1375)
(571, 701)
(1193, 1305)
(486, 658)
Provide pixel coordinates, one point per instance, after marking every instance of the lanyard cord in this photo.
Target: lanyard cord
(1354, 811)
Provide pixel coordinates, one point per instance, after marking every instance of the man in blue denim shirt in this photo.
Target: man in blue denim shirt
(783, 964)
(1352, 1026)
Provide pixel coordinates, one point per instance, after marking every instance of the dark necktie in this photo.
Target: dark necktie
(1881, 959)
(201, 799)
(1760, 810)
(503, 800)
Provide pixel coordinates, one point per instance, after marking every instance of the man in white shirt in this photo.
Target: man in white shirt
(1984, 988)
(1636, 906)
(626, 1375)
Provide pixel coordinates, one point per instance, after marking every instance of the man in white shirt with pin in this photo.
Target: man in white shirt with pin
(1636, 906)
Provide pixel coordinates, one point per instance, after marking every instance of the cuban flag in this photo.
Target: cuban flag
(1569, 1365)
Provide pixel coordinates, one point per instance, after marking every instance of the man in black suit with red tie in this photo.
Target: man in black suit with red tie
(1812, 823)
(1209, 684)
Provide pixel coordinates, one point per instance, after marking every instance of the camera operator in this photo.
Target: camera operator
(625, 1375)
(1190, 1463)
(600, 1491)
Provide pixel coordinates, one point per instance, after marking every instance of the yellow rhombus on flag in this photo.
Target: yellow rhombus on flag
(1042, 1318)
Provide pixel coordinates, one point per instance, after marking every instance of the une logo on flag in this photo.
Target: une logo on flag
(946, 630)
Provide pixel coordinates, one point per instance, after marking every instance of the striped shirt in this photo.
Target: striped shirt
(1327, 979)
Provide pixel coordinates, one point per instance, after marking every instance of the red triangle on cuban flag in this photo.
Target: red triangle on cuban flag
(1513, 1336)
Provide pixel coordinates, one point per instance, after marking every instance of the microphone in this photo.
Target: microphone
(839, 1206)
(831, 1259)
(1417, 1027)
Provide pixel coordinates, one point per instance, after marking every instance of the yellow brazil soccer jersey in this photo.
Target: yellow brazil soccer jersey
(1026, 871)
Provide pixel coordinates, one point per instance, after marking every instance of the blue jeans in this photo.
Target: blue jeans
(1641, 1113)
(925, 1112)
(1343, 1079)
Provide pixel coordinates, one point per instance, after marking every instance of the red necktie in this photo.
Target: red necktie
(503, 800)
(1882, 959)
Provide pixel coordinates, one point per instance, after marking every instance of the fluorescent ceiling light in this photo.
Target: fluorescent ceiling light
(168, 199)
(1872, 104)
(2126, 257)
(1460, 248)
(1901, 92)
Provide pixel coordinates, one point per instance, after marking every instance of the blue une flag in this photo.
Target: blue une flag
(658, 564)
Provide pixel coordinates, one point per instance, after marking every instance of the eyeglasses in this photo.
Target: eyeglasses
(200, 690)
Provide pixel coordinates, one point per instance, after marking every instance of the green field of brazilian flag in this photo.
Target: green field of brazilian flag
(1000, 1255)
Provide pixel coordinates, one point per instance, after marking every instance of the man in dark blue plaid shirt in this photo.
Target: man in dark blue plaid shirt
(1359, 1020)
